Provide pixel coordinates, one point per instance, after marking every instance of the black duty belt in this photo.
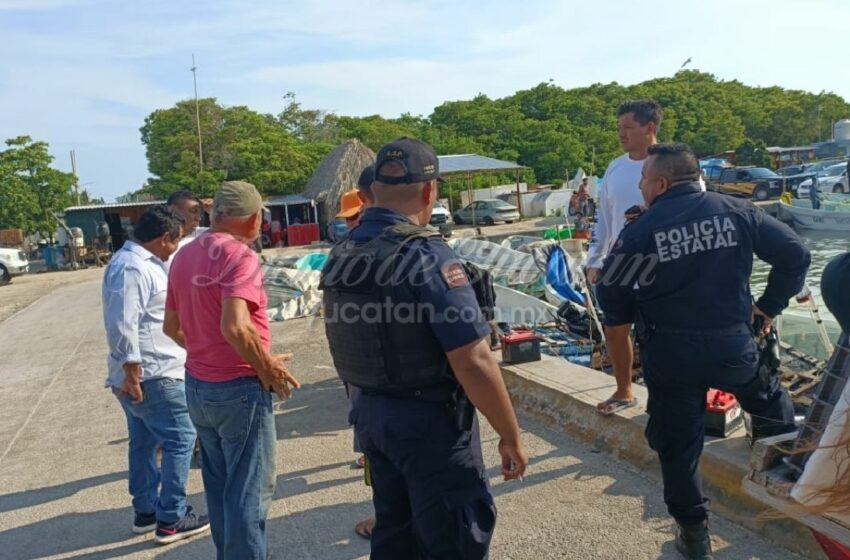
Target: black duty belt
(441, 394)
(740, 328)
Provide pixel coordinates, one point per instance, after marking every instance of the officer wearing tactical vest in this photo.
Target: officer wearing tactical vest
(681, 271)
(404, 326)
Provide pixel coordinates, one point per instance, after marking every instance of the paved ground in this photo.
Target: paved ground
(63, 464)
(23, 290)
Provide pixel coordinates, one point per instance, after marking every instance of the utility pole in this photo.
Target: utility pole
(76, 177)
(198, 116)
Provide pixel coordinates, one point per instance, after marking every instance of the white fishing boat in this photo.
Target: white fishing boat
(516, 308)
(833, 215)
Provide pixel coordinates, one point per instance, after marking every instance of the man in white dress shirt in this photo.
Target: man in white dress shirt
(146, 373)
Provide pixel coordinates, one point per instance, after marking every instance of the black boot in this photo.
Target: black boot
(693, 541)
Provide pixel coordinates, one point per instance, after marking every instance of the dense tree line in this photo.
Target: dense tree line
(552, 130)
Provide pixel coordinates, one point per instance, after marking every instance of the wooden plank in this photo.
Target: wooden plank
(828, 526)
(768, 452)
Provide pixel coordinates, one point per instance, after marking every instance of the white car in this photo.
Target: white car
(13, 262)
(440, 215)
(833, 179)
(487, 212)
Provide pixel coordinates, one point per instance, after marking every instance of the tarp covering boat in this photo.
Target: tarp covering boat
(509, 268)
(292, 286)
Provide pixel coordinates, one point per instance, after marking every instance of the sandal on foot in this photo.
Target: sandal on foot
(612, 406)
(365, 527)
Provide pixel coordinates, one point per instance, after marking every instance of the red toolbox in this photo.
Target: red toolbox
(520, 346)
(723, 414)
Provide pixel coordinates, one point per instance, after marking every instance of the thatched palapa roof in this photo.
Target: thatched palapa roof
(337, 174)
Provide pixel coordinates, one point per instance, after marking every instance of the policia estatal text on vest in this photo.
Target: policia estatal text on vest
(689, 259)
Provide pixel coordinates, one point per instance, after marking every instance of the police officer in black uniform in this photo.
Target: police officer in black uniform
(404, 327)
(681, 272)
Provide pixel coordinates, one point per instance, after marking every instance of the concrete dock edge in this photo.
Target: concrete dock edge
(563, 396)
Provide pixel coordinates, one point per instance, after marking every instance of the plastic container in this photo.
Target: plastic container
(565, 233)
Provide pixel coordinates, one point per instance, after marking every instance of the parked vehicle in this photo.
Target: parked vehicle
(713, 162)
(758, 183)
(487, 212)
(791, 170)
(830, 180)
(13, 262)
(819, 166)
(440, 214)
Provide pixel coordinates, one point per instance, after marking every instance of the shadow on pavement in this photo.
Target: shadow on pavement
(295, 484)
(38, 496)
(322, 533)
(70, 532)
(586, 467)
(316, 409)
(119, 552)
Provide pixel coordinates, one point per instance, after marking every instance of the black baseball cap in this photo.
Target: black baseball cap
(367, 177)
(418, 159)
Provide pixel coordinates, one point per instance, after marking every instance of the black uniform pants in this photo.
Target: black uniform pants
(678, 370)
(431, 499)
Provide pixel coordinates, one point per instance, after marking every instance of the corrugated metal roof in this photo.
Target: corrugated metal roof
(111, 205)
(287, 200)
(470, 163)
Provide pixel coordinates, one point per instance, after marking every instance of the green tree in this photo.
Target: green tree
(309, 125)
(238, 143)
(753, 153)
(548, 128)
(31, 191)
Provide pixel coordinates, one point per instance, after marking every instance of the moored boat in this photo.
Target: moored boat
(833, 215)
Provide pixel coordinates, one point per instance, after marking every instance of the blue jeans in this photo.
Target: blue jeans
(235, 423)
(160, 420)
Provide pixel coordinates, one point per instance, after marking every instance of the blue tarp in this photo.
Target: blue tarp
(558, 276)
(312, 261)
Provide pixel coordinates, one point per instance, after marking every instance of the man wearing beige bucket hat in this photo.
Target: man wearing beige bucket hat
(216, 309)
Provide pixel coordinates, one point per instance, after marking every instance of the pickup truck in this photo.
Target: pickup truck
(758, 183)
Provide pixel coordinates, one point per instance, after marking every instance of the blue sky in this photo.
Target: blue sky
(83, 74)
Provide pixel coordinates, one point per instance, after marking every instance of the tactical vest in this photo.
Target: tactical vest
(379, 338)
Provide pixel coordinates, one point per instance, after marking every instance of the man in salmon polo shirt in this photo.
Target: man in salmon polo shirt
(216, 309)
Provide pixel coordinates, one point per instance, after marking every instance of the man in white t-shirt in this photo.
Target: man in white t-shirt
(637, 127)
(190, 208)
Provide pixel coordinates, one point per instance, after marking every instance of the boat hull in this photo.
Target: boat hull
(514, 307)
(823, 220)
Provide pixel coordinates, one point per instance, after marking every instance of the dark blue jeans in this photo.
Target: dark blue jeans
(235, 423)
(678, 370)
(431, 499)
(160, 420)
